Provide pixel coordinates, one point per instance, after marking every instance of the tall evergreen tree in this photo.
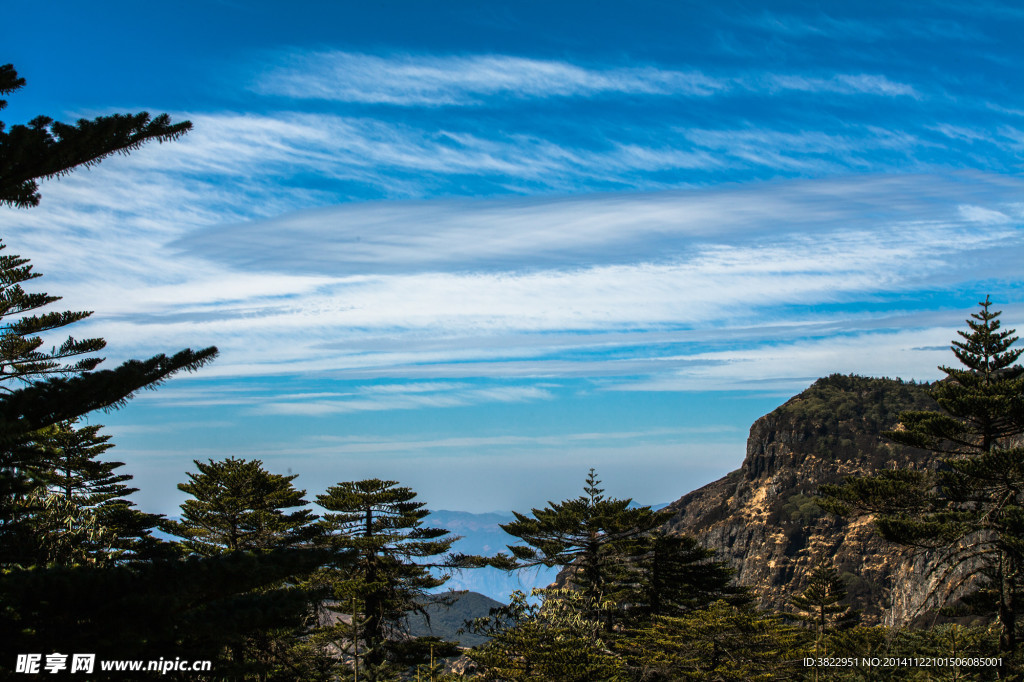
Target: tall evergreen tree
(970, 505)
(137, 606)
(40, 388)
(80, 496)
(236, 505)
(389, 560)
(675, 575)
(820, 606)
(601, 538)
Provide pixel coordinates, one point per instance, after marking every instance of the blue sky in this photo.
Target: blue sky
(482, 247)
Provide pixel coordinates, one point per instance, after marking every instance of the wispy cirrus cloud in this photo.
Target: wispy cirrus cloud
(577, 287)
(417, 398)
(441, 80)
(843, 84)
(664, 231)
(429, 80)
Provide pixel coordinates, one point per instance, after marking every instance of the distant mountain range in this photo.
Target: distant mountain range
(481, 534)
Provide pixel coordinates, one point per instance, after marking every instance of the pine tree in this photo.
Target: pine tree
(40, 388)
(21, 347)
(969, 506)
(237, 505)
(717, 642)
(601, 538)
(820, 605)
(676, 575)
(545, 641)
(60, 382)
(386, 558)
(136, 608)
(46, 148)
(80, 510)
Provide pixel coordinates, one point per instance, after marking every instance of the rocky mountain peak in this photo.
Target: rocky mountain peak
(762, 518)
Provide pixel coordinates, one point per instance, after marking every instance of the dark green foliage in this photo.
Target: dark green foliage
(872, 404)
(675, 575)
(802, 508)
(78, 512)
(44, 403)
(65, 574)
(821, 606)
(553, 640)
(238, 505)
(202, 607)
(28, 410)
(718, 642)
(982, 402)
(601, 538)
(45, 148)
(42, 387)
(78, 476)
(21, 348)
(384, 562)
(74, 472)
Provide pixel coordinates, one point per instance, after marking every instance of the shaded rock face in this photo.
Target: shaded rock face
(762, 518)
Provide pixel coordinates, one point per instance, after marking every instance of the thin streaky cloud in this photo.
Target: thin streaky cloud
(846, 84)
(643, 230)
(399, 401)
(431, 80)
(355, 444)
(427, 80)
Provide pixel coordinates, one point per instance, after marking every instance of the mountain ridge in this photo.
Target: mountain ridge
(762, 518)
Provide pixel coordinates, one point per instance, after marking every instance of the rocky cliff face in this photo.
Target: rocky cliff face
(762, 519)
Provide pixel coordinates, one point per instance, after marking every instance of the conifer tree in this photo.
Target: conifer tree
(237, 505)
(182, 606)
(22, 355)
(60, 382)
(969, 506)
(820, 605)
(80, 496)
(46, 148)
(601, 538)
(40, 388)
(675, 575)
(546, 641)
(386, 558)
(718, 642)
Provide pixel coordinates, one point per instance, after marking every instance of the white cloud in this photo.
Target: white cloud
(413, 397)
(843, 84)
(788, 367)
(985, 216)
(426, 80)
(452, 289)
(430, 80)
(520, 234)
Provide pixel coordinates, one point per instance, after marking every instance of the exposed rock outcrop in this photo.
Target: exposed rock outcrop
(762, 518)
